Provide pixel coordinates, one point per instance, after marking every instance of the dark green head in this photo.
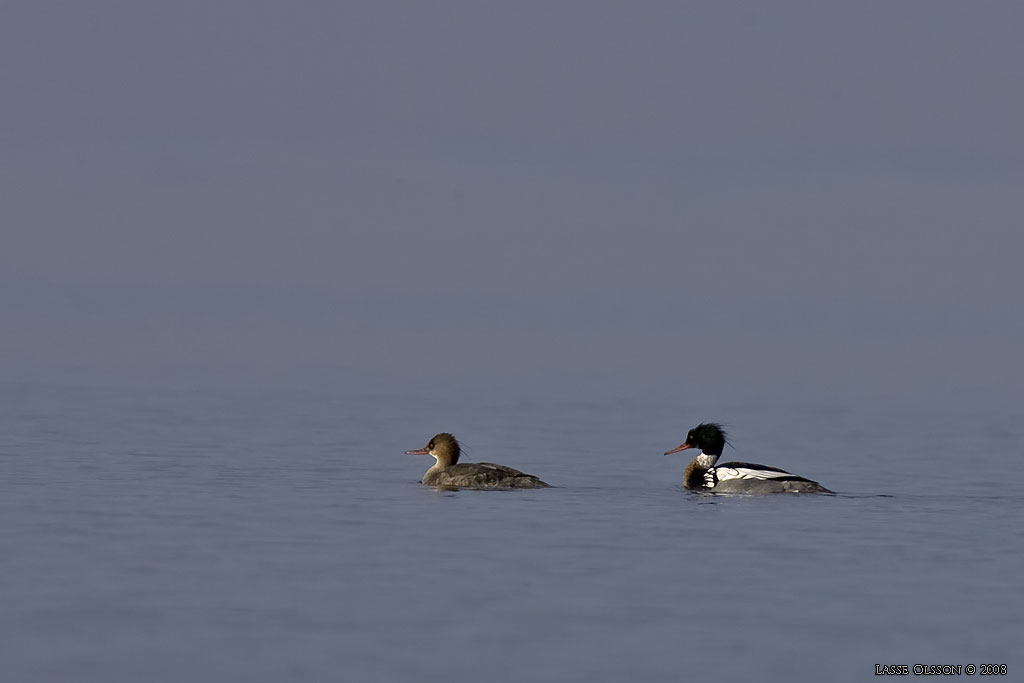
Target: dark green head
(708, 437)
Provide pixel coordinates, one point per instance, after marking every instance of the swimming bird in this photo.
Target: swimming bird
(702, 474)
(448, 472)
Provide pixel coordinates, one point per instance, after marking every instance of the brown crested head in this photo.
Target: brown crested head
(443, 447)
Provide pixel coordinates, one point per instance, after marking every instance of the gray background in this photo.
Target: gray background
(807, 201)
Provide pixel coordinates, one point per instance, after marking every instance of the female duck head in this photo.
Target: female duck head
(443, 447)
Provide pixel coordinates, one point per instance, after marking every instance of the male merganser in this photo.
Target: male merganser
(447, 472)
(734, 477)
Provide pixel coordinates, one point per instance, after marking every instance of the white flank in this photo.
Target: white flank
(726, 473)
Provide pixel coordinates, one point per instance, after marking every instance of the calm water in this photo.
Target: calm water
(271, 536)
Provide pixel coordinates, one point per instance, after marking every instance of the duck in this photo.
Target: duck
(703, 474)
(449, 473)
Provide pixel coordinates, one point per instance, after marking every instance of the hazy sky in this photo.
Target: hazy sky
(801, 200)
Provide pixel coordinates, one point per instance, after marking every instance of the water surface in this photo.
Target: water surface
(268, 535)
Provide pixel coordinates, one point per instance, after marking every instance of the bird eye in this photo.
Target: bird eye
(430, 445)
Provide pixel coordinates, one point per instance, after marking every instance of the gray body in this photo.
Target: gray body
(481, 475)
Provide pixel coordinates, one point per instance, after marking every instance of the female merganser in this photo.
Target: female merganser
(734, 477)
(447, 472)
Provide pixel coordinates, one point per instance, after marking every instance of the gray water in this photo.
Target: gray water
(159, 535)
